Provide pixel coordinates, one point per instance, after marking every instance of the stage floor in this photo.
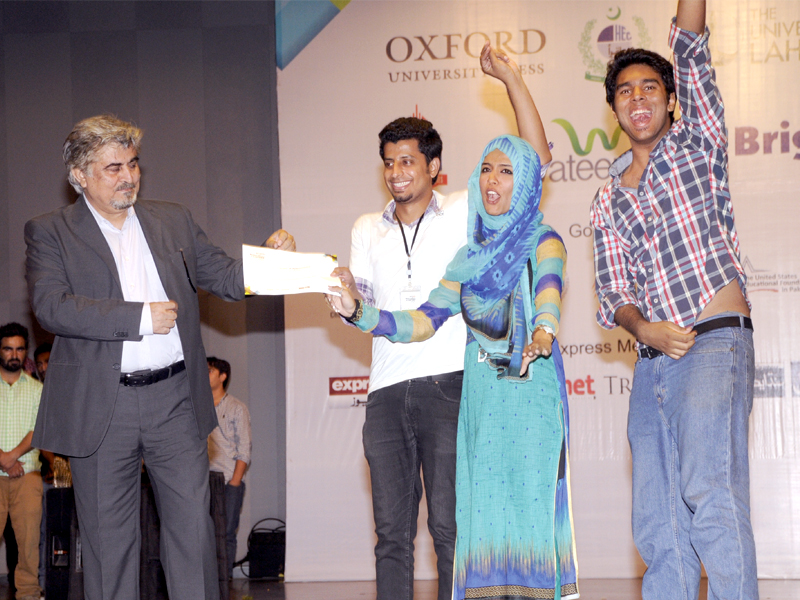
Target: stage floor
(591, 589)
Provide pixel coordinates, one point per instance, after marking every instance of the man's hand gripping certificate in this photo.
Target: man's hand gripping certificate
(275, 272)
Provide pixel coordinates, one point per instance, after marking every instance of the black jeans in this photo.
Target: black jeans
(413, 425)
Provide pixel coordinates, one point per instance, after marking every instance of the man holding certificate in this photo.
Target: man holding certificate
(116, 280)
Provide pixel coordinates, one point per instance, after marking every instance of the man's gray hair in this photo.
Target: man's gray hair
(92, 134)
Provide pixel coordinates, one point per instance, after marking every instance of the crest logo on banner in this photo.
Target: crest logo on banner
(612, 38)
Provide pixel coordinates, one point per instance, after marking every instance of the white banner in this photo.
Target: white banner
(375, 61)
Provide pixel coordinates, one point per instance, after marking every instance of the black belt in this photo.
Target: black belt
(701, 328)
(452, 376)
(142, 378)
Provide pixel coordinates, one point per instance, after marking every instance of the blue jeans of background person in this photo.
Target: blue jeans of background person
(234, 494)
(409, 425)
(687, 427)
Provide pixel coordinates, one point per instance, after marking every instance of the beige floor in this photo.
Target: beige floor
(591, 589)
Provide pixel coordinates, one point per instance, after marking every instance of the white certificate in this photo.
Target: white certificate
(277, 272)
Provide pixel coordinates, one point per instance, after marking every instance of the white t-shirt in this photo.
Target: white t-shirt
(378, 262)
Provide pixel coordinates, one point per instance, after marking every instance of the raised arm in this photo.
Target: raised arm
(529, 123)
(699, 98)
(692, 15)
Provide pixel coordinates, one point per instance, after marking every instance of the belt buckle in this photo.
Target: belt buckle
(482, 355)
(645, 352)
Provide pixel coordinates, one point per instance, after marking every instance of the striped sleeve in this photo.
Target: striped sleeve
(696, 85)
(551, 265)
(414, 325)
(614, 285)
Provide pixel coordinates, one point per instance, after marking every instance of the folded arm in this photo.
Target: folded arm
(10, 458)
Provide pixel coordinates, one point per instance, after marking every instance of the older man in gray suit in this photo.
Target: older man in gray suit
(116, 280)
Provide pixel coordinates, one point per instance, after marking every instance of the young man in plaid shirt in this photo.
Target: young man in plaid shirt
(667, 269)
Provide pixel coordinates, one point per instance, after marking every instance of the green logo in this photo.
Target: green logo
(597, 132)
(611, 39)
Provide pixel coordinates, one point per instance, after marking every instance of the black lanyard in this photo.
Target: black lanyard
(405, 242)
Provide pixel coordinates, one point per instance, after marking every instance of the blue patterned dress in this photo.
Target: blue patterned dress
(513, 511)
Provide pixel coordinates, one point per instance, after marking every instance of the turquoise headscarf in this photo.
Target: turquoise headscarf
(492, 267)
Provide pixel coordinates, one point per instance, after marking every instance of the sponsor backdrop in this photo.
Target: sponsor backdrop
(347, 69)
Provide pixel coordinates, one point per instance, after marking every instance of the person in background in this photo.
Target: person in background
(229, 447)
(41, 356)
(20, 477)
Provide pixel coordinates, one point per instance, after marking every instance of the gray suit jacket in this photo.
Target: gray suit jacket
(74, 287)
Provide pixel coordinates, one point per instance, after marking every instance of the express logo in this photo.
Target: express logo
(611, 39)
(347, 386)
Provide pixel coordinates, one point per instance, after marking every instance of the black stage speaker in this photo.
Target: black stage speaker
(266, 550)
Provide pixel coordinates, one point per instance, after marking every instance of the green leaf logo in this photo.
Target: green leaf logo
(597, 132)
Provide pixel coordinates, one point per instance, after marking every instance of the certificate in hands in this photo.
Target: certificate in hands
(276, 272)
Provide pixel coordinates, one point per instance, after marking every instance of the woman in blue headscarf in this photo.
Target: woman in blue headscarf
(513, 513)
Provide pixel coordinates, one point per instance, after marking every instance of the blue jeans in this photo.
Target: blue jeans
(234, 495)
(687, 428)
(413, 425)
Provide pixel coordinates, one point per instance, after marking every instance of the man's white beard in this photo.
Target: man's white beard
(125, 204)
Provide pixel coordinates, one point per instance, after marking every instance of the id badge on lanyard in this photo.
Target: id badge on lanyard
(410, 296)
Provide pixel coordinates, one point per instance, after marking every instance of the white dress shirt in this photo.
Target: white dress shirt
(140, 282)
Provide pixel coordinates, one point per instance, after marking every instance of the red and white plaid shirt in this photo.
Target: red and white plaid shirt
(670, 245)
